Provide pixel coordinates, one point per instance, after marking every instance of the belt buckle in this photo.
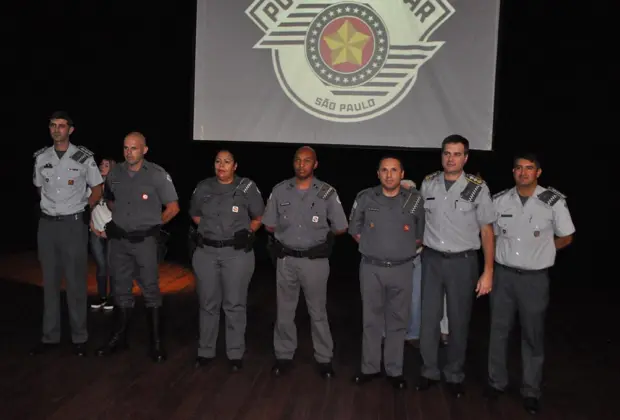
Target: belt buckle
(298, 254)
(389, 264)
(219, 244)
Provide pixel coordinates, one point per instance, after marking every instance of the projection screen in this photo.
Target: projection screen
(401, 73)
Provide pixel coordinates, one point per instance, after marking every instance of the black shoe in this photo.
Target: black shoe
(158, 354)
(80, 349)
(235, 365)
(362, 378)
(326, 370)
(202, 361)
(456, 389)
(98, 303)
(118, 340)
(108, 306)
(281, 367)
(398, 382)
(425, 383)
(531, 405)
(41, 348)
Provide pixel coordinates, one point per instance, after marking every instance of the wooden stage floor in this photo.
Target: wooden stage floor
(581, 362)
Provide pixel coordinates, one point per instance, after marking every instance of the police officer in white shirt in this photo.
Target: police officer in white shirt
(532, 223)
(62, 174)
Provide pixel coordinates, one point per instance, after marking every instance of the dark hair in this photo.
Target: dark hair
(456, 139)
(527, 156)
(400, 162)
(62, 115)
(227, 151)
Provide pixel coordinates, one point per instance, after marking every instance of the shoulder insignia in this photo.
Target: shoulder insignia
(432, 176)
(474, 179)
(499, 194)
(244, 185)
(550, 196)
(38, 152)
(326, 191)
(412, 202)
(471, 191)
(86, 151)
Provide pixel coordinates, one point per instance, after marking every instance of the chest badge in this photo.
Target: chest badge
(315, 219)
(145, 196)
(504, 231)
(406, 228)
(372, 225)
(536, 233)
(235, 209)
(70, 182)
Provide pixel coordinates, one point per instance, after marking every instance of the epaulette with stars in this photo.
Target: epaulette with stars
(432, 176)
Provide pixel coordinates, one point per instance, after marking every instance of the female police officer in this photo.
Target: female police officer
(227, 210)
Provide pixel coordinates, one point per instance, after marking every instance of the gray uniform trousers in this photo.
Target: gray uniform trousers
(63, 249)
(456, 276)
(386, 301)
(139, 260)
(222, 282)
(527, 293)
(312, 275)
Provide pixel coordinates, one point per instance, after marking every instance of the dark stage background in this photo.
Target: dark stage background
(117, 67)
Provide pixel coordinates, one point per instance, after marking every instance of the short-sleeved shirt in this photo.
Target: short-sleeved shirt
(388, 226)
(525, 232)
(225, 208)
(454, 216)
(302, 218)
(64, 182)
(139, 196)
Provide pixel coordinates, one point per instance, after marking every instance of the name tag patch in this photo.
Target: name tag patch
(287, 203)
(505, 215)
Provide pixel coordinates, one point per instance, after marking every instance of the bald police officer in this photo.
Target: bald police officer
(136, 190)
(62, 174)
(459, 217)
(533, 223)
(227, 210)
(304, 214)
(388, 223)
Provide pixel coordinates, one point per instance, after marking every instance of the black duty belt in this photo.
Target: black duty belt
(462, 254)
(521, 270)
(385, 263)
(60, 218)
(217, 244)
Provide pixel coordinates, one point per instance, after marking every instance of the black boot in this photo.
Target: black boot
(158, 353)
(118, 341)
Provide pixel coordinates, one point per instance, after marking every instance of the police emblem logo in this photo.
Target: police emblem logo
(315, 219)
(536, 233)
(235, 209)
(348, 61)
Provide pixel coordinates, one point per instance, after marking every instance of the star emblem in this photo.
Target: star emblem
(346, 44)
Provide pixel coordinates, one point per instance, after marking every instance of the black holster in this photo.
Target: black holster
(244, 239)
